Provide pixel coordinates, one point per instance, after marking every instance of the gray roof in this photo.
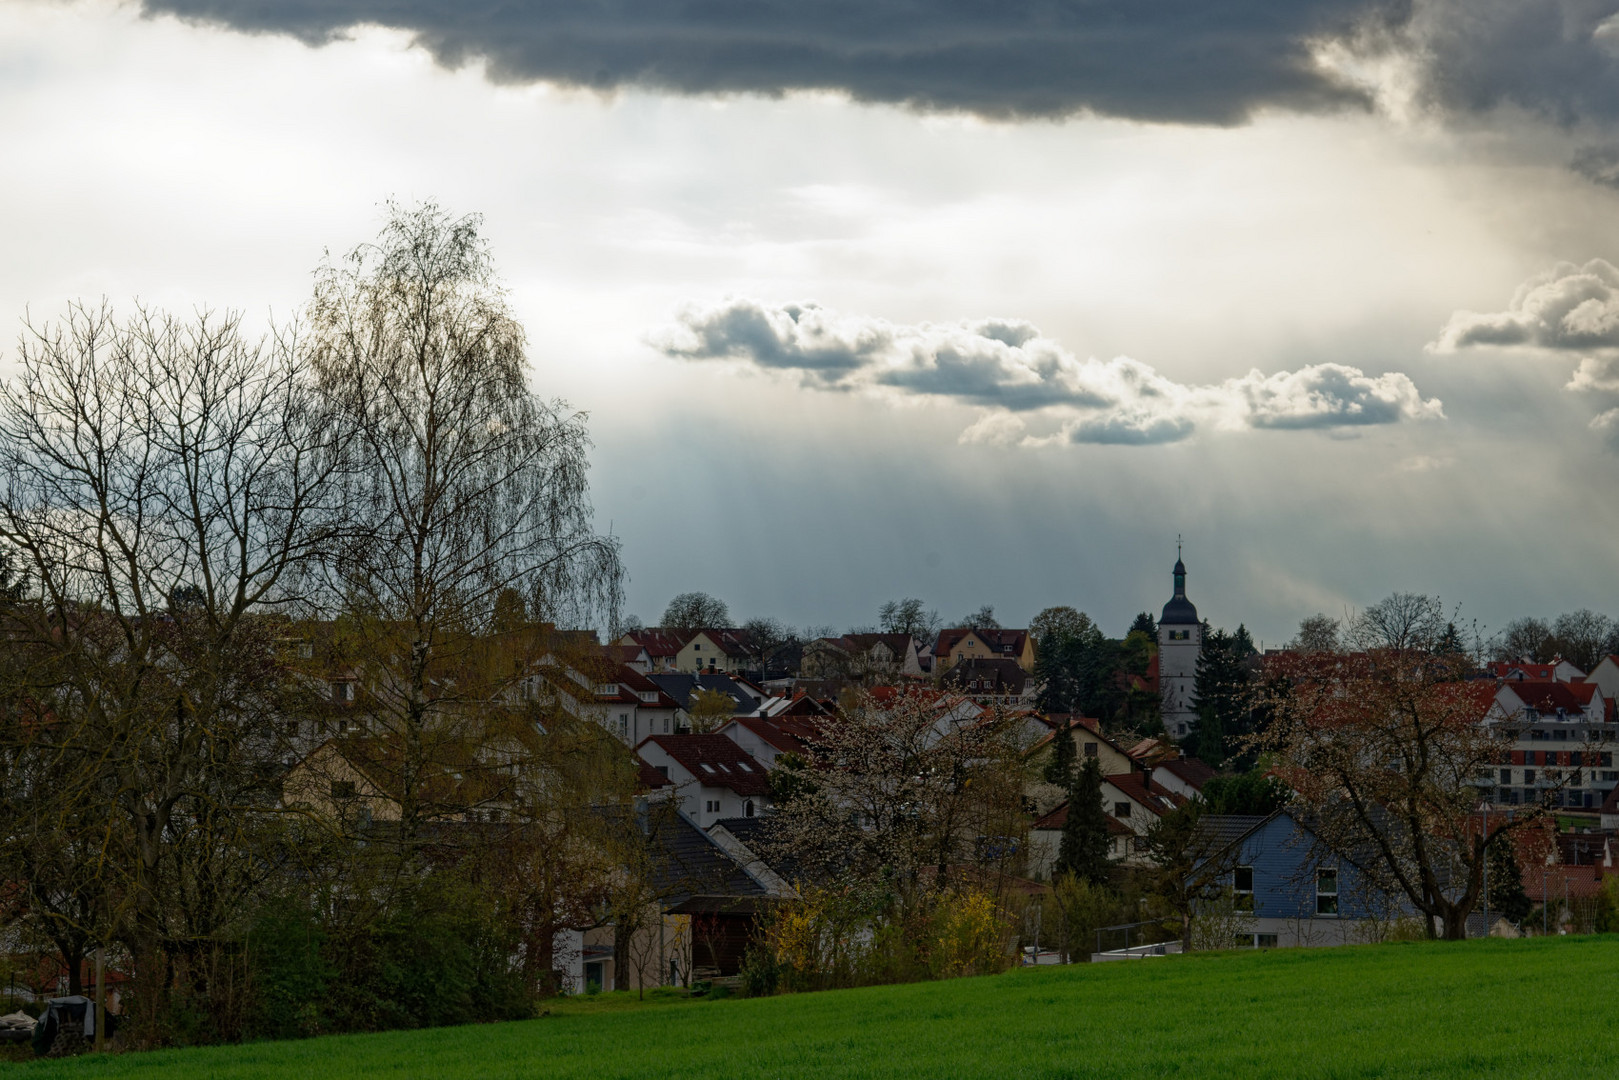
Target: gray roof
(1179, 612)
(681, 686)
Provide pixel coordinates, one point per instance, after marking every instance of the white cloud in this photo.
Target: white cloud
(1007, 367)
(1596, 374)
(1566, 307)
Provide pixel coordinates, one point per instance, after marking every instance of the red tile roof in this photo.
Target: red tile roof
(1503, 669)
(651, 779)
(1001, 642)
(1150, 794)
(658, 642)
(1551, 696)
(1191, 770)
(715, 761)
(1059, 817)
(789, 735)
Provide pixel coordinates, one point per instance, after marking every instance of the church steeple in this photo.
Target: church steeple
(1179, 610)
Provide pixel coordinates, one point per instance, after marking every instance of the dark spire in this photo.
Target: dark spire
(1179, 609)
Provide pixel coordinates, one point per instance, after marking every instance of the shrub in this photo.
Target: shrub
(760, 974)
(972, 936)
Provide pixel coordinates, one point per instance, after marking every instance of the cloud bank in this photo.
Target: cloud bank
(1007, 368)
(1187, 61)
(1169, 60)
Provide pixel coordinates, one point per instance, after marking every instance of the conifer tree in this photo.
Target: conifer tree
(1083, 850)
(1059, 770)
(1507, 896)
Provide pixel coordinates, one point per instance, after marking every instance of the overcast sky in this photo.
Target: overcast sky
(980, 302)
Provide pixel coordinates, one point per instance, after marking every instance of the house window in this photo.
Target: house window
(666, 725)
(1121, 809)
(1326, 892)
(747, 808)
(1090, 749)
(306, 650)
(1265, 941)
(1242, 884)
(1529, 776)
(342, 789)
(663, 771)
(712, 806)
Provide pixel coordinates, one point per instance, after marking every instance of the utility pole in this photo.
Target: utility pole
(101, 1006)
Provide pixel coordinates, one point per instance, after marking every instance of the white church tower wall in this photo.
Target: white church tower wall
(1180, 640)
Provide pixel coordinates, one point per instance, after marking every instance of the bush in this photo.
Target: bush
(760, 975)
(972, 936)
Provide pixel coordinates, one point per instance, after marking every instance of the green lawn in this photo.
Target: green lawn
(1541, 1007)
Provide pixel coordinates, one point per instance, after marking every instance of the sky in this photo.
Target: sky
(978, 302)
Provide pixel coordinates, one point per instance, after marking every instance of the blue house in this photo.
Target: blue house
(1296, 891)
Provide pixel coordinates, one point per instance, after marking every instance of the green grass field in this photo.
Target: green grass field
(1542, 1007)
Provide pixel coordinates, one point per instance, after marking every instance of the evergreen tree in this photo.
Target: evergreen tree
(1224, 702)
(1083, 849)
(1506, 881)
(1060, 769)
(1145, 624)
(1055, 673)
(1252, 792)
(1450, 642)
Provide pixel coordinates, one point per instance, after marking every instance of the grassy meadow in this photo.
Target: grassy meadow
(1539, 1007)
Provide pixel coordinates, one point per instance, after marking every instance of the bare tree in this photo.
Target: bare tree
(1399, 621)
(694, 611)
(1317, 633)
(771, 644)
(909, 616)
(1525, 639)
(166, 484)
(1582, 637)
(464, 485)
(1389, 753)
(982, 619)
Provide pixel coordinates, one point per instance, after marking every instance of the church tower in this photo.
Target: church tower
(1180, 640)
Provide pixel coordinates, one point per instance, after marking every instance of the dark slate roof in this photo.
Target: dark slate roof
(684, 861)
(758, 835)
(1225, 829)
(995, 675)
(1179, 612)
(1194, 771)
(681, 685)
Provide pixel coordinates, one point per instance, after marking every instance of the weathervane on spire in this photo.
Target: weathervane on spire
(1177, 546)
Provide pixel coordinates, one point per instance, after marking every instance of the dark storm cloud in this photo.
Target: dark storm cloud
(1552, 57)
(1196, 61)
